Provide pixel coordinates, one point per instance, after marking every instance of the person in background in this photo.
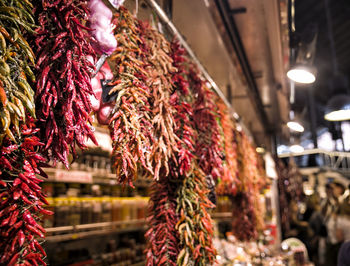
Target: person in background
(343, 231)
(315, 221)
(329, 203)
(344, 254)
(298, 228)
(332, 242)
(343, 221)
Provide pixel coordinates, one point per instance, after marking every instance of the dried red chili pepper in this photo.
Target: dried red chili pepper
(64, 69)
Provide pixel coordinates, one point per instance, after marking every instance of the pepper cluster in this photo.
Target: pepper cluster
(21, 198)
(244, 221)
(16, 61)
(194, 225)
(163, 238)
(160, 70)
(130, 121)
(64, 68)
(23, 201)
(246, 203)
(166, 163)
(290, 187)
(208, 147)
(227, 184)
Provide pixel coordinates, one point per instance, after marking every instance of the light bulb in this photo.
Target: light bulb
(301, 75)
(296, 148)
(295, 126)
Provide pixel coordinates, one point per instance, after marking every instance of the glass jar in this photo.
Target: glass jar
(86, 211)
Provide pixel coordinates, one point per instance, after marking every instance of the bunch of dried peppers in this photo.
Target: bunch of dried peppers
(64, 68)
(16, 62)
(246, 202)
(194, 225)
(162, 219)
(22, 201)
(131, 120)
(208, 147)
(160, 70)
(228, 182)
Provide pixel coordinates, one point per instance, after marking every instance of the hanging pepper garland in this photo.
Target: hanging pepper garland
(21, 198)
(208, 147)
(246, 202)
(195, 225)
(160, 70)
(130, 122)
(164, 191)
(22, 204)
(227, 184)
(16, 60)
(163, 238)
(244, 223)
(64, 69)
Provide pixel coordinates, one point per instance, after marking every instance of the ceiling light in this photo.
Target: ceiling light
(338, 108)
(295, 126)
(260, 150)
(302, 74)
(296, 149)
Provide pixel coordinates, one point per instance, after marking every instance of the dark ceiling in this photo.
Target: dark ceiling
(313, 13)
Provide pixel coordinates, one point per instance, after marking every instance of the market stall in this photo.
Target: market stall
(117, 147)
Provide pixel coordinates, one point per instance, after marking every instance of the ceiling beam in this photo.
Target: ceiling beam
(235, 39)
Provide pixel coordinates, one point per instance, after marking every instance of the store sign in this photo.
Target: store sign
(73, 176)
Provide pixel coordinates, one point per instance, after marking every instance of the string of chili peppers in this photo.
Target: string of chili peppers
(22, 201)
(64, 68)
(160, 70)
(16, 60)
(208, 147)
(164, 191)
(163, 238)
(130, 121)
(195, 225)
(227, 184)
(245, 203)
